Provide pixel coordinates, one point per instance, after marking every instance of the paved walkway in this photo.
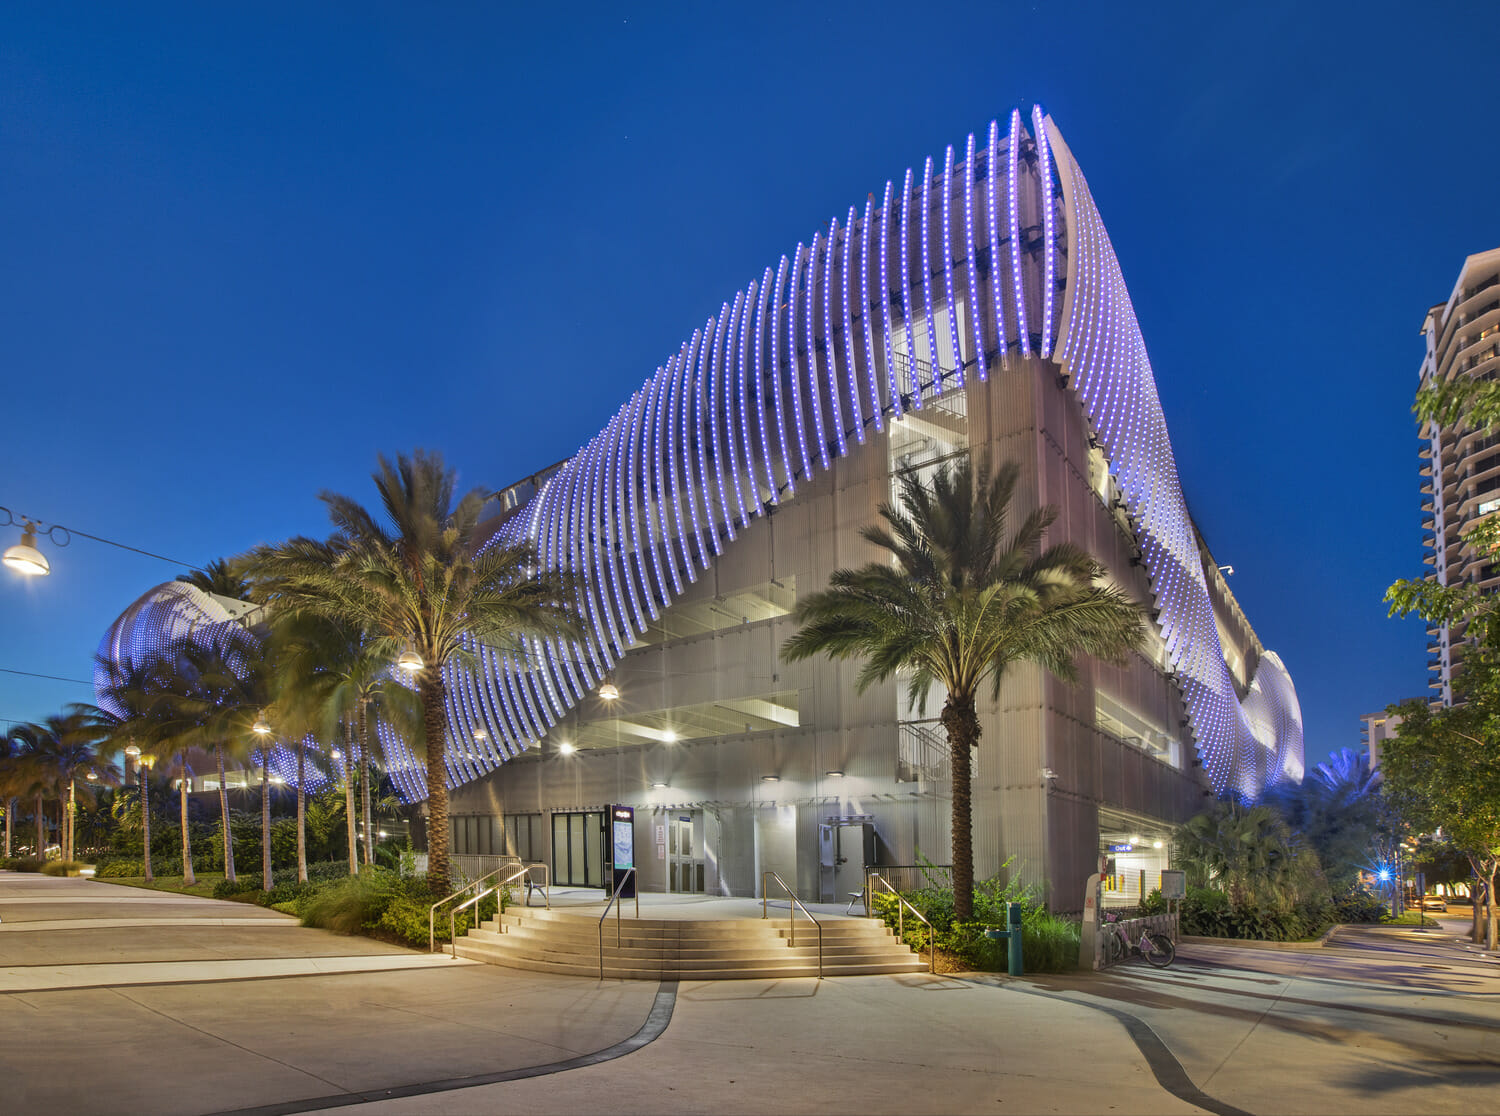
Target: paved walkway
(120, 1000)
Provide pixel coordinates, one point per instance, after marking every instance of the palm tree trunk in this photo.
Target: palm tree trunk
(146, 822)
(224, 813)
(301, 812)
(188, 877)
(349, 747)
(962, 725)
(265, 822)
(434, 723)
(41, 830)
(10, 809)
(364, 782)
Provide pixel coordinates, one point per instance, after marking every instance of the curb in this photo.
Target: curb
(1255, 943)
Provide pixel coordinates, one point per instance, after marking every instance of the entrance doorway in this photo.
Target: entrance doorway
(578, 849)
(685, 852)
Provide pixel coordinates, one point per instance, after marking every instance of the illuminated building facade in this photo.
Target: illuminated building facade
(1460, 466)
(976, 308)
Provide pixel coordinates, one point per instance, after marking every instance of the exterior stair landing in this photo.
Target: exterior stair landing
(563, 941)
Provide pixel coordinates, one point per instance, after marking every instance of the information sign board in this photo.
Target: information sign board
(1173, 884)
(622, 848)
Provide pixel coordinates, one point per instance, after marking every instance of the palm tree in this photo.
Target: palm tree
(211, 687)
(962, 602)
(331, 679)
(58, 752)
(425, 583)
(12, 775)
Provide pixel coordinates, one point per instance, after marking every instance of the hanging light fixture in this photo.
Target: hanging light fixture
(24, 557)
(410, 661)
(132, 751)
(609, 692)
(262, 727)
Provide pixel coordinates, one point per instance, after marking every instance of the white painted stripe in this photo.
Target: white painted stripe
(42, 978)
(115, 923)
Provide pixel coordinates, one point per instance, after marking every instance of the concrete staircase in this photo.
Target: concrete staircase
(669, 949)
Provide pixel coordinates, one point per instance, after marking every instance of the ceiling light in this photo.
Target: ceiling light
(1135, 840)
(261, 727)
(566, 749)
(609, 692)
(24, 557)
(336, 754)
(770, 778)
(669, 736)
(480, 735)
(410, 661)
(1156, 844)
(834, 774)
(657, 786)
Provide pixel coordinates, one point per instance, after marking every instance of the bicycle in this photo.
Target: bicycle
(1157, 948)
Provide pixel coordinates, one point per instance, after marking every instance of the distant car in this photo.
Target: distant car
(1434, 903)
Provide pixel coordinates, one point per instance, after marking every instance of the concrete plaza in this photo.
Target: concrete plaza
(115, 999)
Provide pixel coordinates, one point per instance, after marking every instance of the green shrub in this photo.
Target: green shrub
(62, 867)
(1359, 906)
(120, 869)
(228, 889)
(351, 905)
(1208, 913)
(379, 900)
(1049, 943)
(22, 864)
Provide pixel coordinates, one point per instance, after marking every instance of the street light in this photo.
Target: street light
(410, 661)
(261, 727)
(24, 557)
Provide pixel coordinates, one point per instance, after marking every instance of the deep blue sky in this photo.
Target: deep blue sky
(243, 251)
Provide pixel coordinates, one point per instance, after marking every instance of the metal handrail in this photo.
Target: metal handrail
(614, 901)
(432, 911)
(792, 914)
(546, 888)
(902, 905)
(467, 903)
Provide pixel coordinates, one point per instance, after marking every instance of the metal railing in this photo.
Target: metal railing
(902, 906)
(791, 914)
(614, 901)
(518, 869)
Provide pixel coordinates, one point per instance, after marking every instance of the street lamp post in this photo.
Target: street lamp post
(262, 729)
(142, 763)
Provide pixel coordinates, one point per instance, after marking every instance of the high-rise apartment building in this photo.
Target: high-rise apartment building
(1460, 466)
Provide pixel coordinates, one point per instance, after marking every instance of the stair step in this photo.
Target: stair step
(749, 969)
